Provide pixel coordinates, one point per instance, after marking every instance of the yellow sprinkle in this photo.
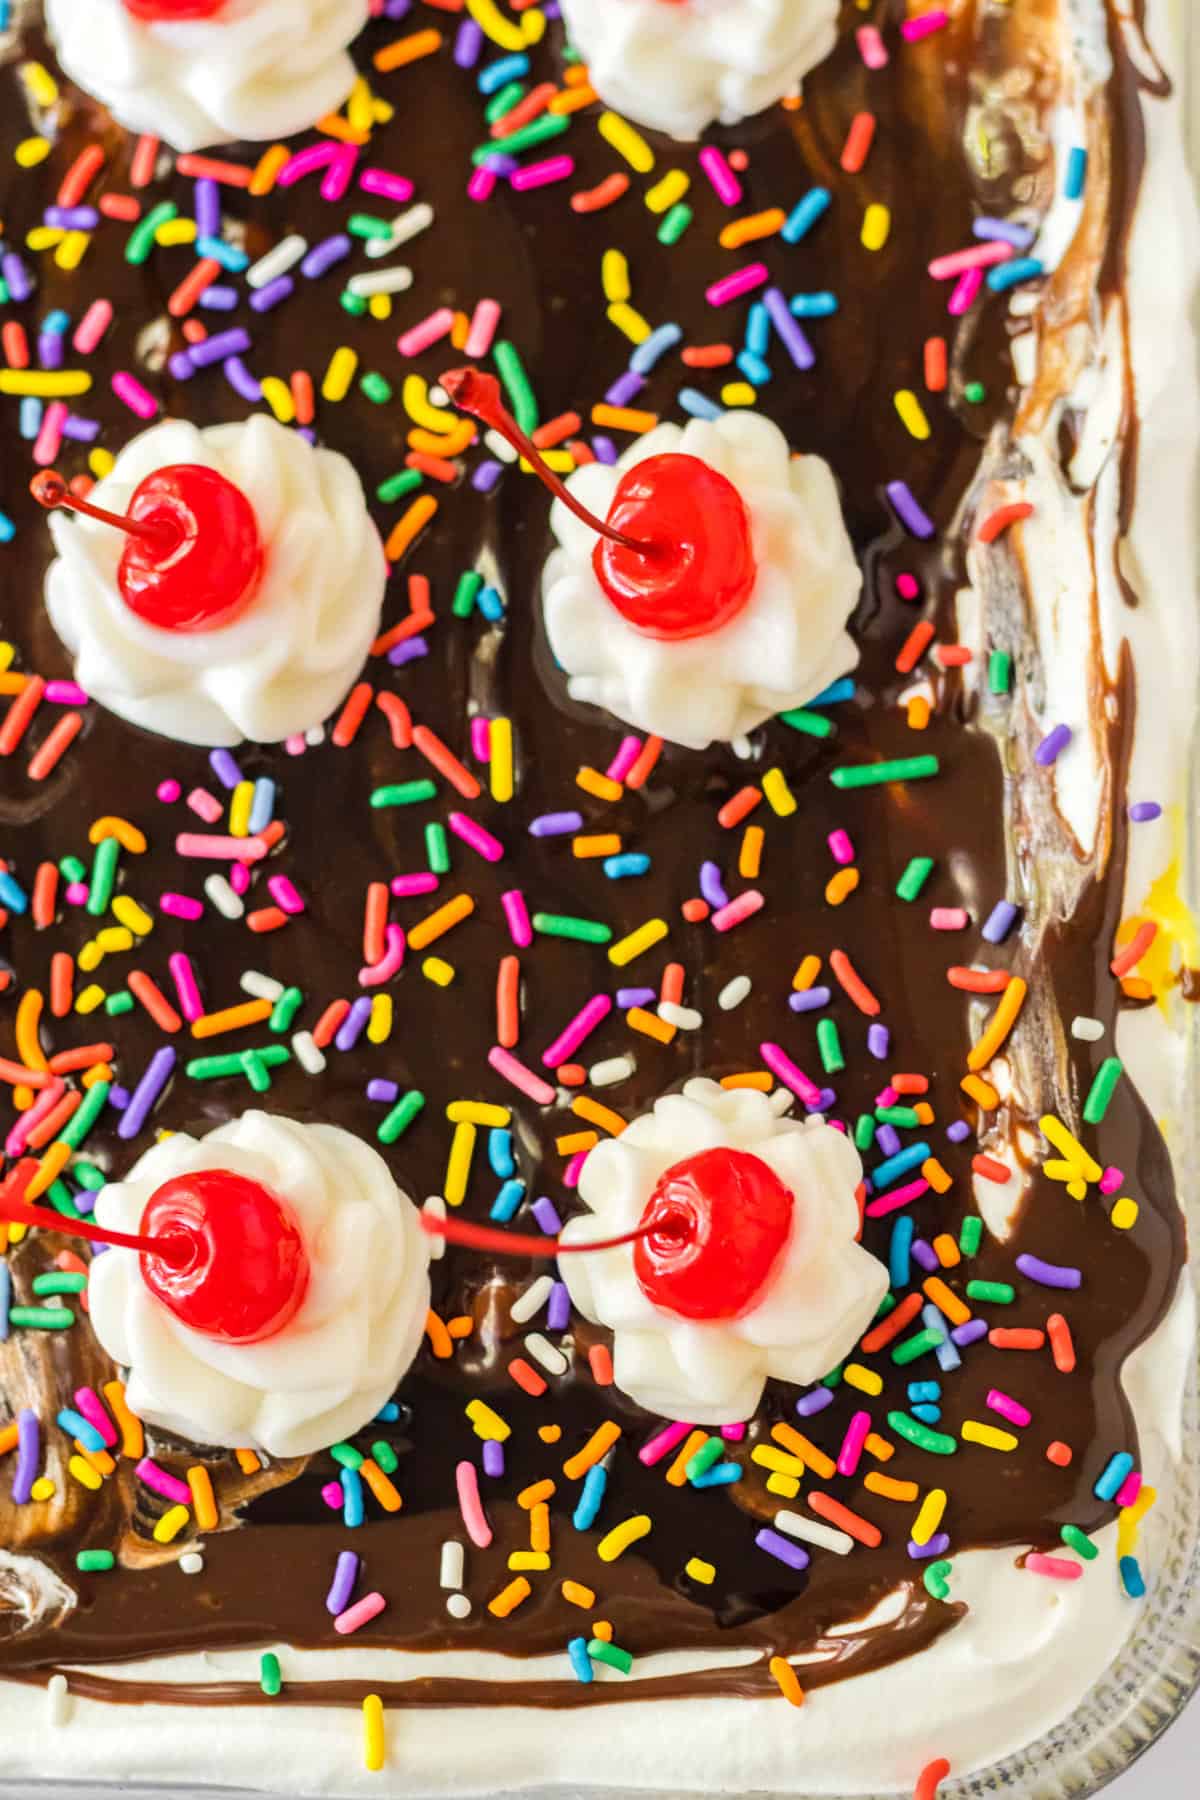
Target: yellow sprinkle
(171, 1524)
(44, 237)
(626, 141)
(360, 107)
(31, 151)
(839, 887)
(667, 192)
(71, 252)
(278, 396)
(768, 1457)
(90, 999)
(867, 1381)
(509, 1598)
(101, 463)
(1124, 1213)
(780, 797)
(45, 384)
(629, 321)
(113, 939)
(750, 852)
(644, 938)
(98, 1072)
(39, 83)
(786, 1486)
(786, 1677)
(239, 809)
(614, 276)
(1067, 1145)
(930, 1516)
(990, 1436)
(614, 1543)
(340, 373)
(90, 956)
(576, 1594)
(380, 306)
(806, 974)
(1129, 1519)
(876, 226)
(502, 31)
(487, 1423)
(84, 1473)
(602, 787)
(458, 1167)
(500, 764)
(912, 414)
(739, 393)
(126, 909)
(379, 1023)
(699, 1570)
(173, 232)
(438, 970)
(478, 1112)
(43, 1489)
(420, 409)
(536, 1561)
(374, 1742)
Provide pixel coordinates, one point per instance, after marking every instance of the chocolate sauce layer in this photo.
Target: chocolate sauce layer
(265, 1577)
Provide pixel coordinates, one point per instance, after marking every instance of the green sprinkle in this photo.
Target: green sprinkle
(378, 389)
(919, 1345)
(60, 1199)
(971, 1235)
(813, 724)
(905, 1117)
(103, 876)
(256, 1071)
(437, 849)
(140, 242)
(396, 486)
(56, 1281)
(71, 869)
(914, 877)
(1080, 1542)
(385, 1456)
(401, 1116)
(864, 1131)
(999, 672)
(87, 1175)
(937, 1443)
(829, 1045)
(511, 369)
(269, 1678)
(539, 131)
(834, 1377)
(210, 1068)
(504, 101)
(584, 931)
(937, 1580)
(285, 1010)
(346, 1456)
(1102, 1089)
(78, 1126)
(403, 793)
(888, 1304)
(354, 304)
(675, 223)
(42, 1318)
(899, 768)
(469, 584)
(612, 1654)
(120, 1002)
(366, 225)
(94, 1562)
(995, 1293)
(975, 393)
(711, 1451)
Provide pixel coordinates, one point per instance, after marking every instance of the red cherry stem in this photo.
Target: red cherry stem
(51, 491)
(478, 394)
(18, 1211)
(513, 1243)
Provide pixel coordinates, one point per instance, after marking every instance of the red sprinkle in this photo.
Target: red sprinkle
(1001, 519)
(990, 1169)
(595, 199)
(1135, 949)
(1062, 1344)
(858, 143)
(915, 646)
(931, 1778)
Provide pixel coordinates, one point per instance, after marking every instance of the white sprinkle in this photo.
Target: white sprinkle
(58, 1700)
(458, 1606)
(684, 1018)
(613, 1069)
(191, 1564)
(734, 992)
(410, 224)
(286, 254)
(262, 987)
(453, 1564)
(437, 1245)
(797, 1526)
(227, 903)
(315, 735)
(531, 1302)
(499, 447)
(1087, 1029)
(544, 1352)
(397, 280)
(310, 1058)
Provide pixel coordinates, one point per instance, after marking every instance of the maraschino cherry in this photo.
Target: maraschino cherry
(675, 555)
(163, 12)
(221, 1252)
(193, 557)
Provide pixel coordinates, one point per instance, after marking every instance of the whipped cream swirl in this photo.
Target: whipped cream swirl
(256, 69)
(358, 1328)
(284, 663)
(680, 65)
(820, 1297)
(788, 642)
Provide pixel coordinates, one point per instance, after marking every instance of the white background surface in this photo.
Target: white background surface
(1170, 1770)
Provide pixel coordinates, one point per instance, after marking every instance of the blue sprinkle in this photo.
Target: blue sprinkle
(1114, 1475)
(805, 214)
(507, 1201)
(948, 1358)
(928, 1415)
(698, 405)
(387, 1414)
(499, 1150)
(758, 329)
(12, 894)
(56, 322)
(353, 1509)
(262, 806)
(494, 75)
(655, 348)
(1132, 1579)
(900, 1164)
(754, 368)
(76, 1426)
(590, 1500)
(1011, 274)
(930, 1391)
(490, 604)
(228, 255)
(630, 862)
(29, 419)
(581, 1662)
(842, 689)
(722, 1474)
(900, 1252)
(813, 306)
(1076, 175)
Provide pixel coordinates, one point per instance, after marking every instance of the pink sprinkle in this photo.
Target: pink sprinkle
(1057, 1567)
(205, 805)
(239, 878)
(574, 1169)
(785, 1070)
(908, 587)
(580, 1027)
(382, 181)
(331, 1494)
(169, 1486)
(978, 256)
(296, 745)
(466, 1480)
(75, 893)
(284, 894)
(480, 333)
(389, 963)
(169, 791)
(182, 974)
(733, 1434)
(623, 761)
(405, 887)
(1111, 1180)
(871, 47)
(726, 917)
(361, 1613)
(482, 185)
(133, 395)
(662, 1444)
(965, 293)
(65, 693)
(481, 738)
(1129, 1489)
(912, 30)
(517, 914)
(887, 1096)
(852, 1443)
(317, 156)
(96, 1413)
(725, 183)
(742, 281)
(529, 1084)
(46, 1101)
(49, 438)
(474, 834)
(180, 906)
(542, 174)
(1008, 1408)
(438, 325)
(92, 327)
(337, 179)
(840, 846)
(901, 1196)
(949, 918)
(222, 849)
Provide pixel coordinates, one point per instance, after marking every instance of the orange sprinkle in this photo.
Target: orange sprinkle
(526, 1377)
(55, 747)
(439, 1338)
(739, 807)
(650, 1025)
(1062, 1344)
(852, 1523)
(595, 1114)
(671, 987)
(303, 397)
(601, 1364)
(509, 1598)
(601, 787)
(445, 762)
(787, 1680)
(707, 356)
(839, 887)
(375, 910)
(808, 1452)
(48, 1128)
(946, 1250)
(990, 1169)
(695, 911)
(642, 769)
(946, 1300)
(982, 1092)
(604, 194)
(924, 1112)
(892, 1326)
(677, 1473)
(436, 467)
(508, 1002)
(154, 1001)
(402, 51)
(596, 1448)
(603, 844)
(573, 1592)
(878, 1447)
(1002, 1022)
(914, 646)
(852, 983)
(909, 1084)
(1060, 1454)
(936, 370)
(917, 713)
(574, 100)
(381, 1485)
(62, 983)
(1009, 1339)
(554, 431)
(266, 918)
(939, 1179)
(460, 1326)
(398, 717)
(352, 714)
(623, 418)
(247, 1461)
(133, 1438)
(858, 143)
(890, 1489)
(266, 169)
(412, 523)
(750, 854)
(761, 1080)
(329, 1023)
(45, 895)
(436, 924)
(978, 981)
(20, 713)
(576, 1143)
(534, 1496)
(231, 1018)
(750, 229)
(539, 1527)
(204, 1503)
(931, 1778)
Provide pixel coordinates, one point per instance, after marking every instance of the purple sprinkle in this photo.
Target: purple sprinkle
(909, 513)
(219, 299)
(938, 1544)
(72, 218)
(546, 1214)
(787, 330)
(17, 276)
(808, 999)
(781, 1548)
(1054, 1275)
(970, 1333)
(999, 922)
(118, 1098)
(345, 1575)
(180, 365)
(604, 450)
(225, 768)
(1005, 232)
(50, 350)
(815, 1401)
(411, 650)
(1052, 746)
(487, 475)
(379, 1089)
(147, 1091)
(559, 824)
(558, 1307)
(878, 1041)
(926, 1256)
(206, 206)
(241, 380)
(500, 164)
(324, 255)
(29, 1438)
(493, 1458)
(83, 431)
(467, 44)
(712, 887)
(823, 1101)
(216, 348)
(888, 1139)
(958, 1131)
(264, 298)
(354, 1023)
(625, 389)
(1142, 811)
(397, 9)
(627, 997)
(307, 433)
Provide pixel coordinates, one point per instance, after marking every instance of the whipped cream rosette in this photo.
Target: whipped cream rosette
(681, 65)
(285, 652)
(779, 641)
(304, 1299)
(201, 72)
(753, 1271)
